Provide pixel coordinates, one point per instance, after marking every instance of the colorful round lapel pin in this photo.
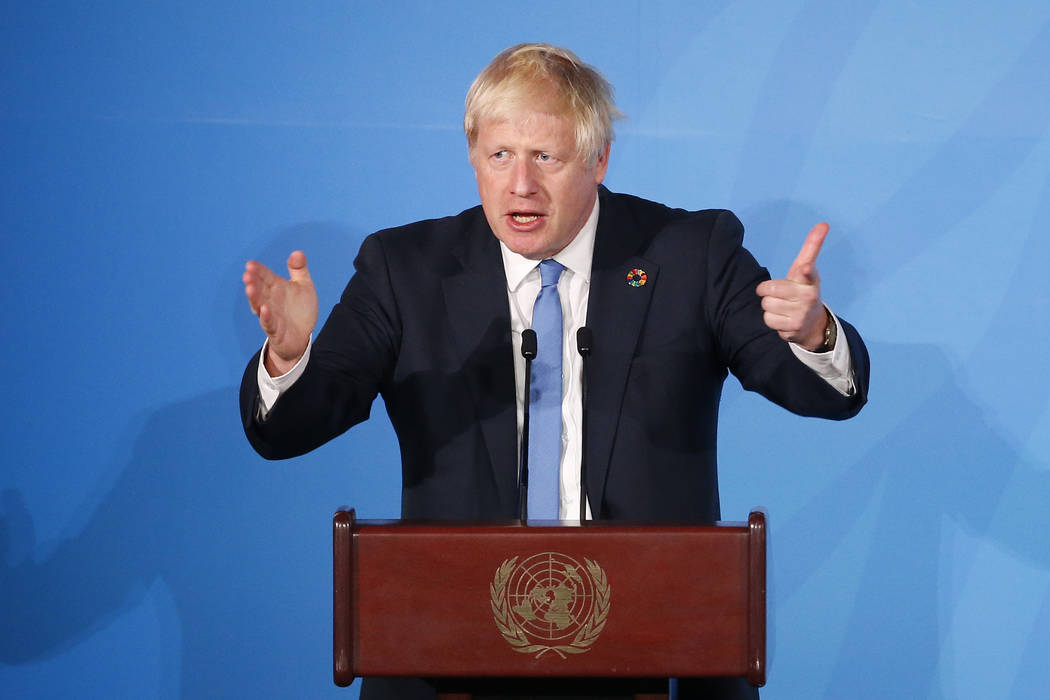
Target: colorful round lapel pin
(637, 277)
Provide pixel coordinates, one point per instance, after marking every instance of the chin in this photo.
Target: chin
(525, 248)
(530, 254)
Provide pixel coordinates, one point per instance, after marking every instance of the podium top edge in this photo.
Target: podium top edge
(548, 525)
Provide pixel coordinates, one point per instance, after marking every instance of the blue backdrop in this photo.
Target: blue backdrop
(148, 149)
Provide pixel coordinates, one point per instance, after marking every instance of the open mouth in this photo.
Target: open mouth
(524, 218)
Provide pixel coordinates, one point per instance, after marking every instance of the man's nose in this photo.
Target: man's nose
(523, 180)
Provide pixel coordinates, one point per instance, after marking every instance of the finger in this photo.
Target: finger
(297, 270)
(268, 321)
(783, 289)
(252, 287)
(789, 314)
(808, 272)
(260, 272)
(259, 278)
(258, 281)
(786, 326)
(774, 288)
(805, 262)
(252, 292)
(781, 307)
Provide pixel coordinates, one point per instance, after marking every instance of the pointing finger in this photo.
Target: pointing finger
(803, 269)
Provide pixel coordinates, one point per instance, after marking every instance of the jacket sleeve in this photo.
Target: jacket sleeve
(351, 360)
(754, 353)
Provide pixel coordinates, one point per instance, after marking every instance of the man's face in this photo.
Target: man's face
(536, 192)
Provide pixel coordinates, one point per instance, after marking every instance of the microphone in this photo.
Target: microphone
(584, 343)
(528, 351)
(528, 344)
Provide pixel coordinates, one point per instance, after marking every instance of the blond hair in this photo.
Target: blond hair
(519, 73)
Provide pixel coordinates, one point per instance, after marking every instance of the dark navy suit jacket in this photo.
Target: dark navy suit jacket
(425, 323)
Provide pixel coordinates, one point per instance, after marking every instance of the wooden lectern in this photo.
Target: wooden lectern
(493, 600)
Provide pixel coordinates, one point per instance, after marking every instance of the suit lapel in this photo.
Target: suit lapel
(479, 316)
(616, 313)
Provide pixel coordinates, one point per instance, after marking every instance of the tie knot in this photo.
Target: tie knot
(550, 271)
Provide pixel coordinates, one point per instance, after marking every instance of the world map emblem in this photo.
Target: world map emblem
(550, 602)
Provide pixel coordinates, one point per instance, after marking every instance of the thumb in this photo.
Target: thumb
(297, 270)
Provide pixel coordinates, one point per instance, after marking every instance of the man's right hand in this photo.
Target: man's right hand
(287, 310)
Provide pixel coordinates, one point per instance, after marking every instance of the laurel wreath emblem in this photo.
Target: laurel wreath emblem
(519, 640)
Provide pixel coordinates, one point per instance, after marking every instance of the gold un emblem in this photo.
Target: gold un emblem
(550, 602)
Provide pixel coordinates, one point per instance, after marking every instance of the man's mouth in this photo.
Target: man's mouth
(524, 218)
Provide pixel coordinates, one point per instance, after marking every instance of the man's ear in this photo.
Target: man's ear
(602, 165)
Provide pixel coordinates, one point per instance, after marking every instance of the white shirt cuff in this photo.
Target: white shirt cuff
(835, 367)
(271, 388)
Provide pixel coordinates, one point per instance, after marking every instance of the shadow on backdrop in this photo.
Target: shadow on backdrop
(242, 545)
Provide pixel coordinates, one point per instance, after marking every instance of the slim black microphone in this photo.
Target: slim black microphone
(584, 343)
(528, 351)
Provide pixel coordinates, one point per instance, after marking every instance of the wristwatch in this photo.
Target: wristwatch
(831, 334)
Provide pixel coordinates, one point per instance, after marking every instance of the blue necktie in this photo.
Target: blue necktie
(545, 399)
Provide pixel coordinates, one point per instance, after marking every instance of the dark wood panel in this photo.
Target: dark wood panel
(613, 600)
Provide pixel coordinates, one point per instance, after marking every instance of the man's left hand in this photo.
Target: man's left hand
(792, 305)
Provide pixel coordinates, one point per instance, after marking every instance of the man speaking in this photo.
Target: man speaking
(434, 315)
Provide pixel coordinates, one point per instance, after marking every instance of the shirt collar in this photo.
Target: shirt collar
(576, 256)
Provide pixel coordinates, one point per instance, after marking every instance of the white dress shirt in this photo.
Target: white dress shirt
(523, 286)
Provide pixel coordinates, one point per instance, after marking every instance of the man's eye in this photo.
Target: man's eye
(545, 157)
(500, 155)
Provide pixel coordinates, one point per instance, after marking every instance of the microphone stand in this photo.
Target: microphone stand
(584, 343)
(528, 351)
